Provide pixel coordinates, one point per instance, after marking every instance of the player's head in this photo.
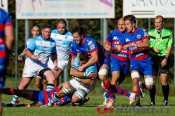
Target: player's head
(35, 30)
(158, 22)
(130, 23)
(78, 35)
(46, 31)
(61, 26)
(121, 24)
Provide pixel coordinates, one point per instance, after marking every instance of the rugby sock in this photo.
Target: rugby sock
(49, 87)
(152, 93)
(122, 91)
(165, 90)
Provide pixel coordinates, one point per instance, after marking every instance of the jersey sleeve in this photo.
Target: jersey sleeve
(170, 42)
(31, 45)
(92, 46)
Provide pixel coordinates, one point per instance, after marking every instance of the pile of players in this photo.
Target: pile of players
(128, 50)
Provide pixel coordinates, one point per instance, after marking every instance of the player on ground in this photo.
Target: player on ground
(84, 75)
(137, 43)
(39, 98)
(38, 52)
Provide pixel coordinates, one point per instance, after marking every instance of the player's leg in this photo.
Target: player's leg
(27, 94)
(22, 86)
(38, 83)
(29, 72)
(135, 76)
(49, 76)
(103, 76)
(147, 70)
(79, 96)
(84, 86)
(61, 65)
(165, 85)
(103, 72)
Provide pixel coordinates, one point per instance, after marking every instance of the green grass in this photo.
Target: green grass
(89, 109)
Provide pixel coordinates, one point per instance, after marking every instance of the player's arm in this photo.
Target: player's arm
(30, 54)
(93, 60)
(9, 37)
(169, 47)
(107, 46)
(28, 51)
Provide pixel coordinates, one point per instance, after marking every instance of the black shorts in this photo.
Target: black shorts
(157, 65)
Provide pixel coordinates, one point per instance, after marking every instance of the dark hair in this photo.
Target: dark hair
(62, 21)
(78, 30)
(46, 26)
(131, 18)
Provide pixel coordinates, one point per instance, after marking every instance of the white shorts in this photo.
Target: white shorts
(80, 89)
(31, 69)
(60, 64)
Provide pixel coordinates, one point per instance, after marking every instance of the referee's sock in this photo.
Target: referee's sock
(152, 93)
(165, 90)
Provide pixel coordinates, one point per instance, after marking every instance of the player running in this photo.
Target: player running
(38, 52)
(137, 43)
(118, 62)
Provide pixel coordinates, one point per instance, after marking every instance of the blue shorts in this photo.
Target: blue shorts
(143, 66)
(121, 66)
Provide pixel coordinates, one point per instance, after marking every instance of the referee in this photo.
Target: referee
(161, 40)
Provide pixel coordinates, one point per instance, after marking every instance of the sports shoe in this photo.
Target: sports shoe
(133, 99)
(15, 101)
(165, 102)
(152, 103)
(110, 103)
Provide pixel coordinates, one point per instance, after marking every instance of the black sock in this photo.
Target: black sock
(152, 93)
(165, 90)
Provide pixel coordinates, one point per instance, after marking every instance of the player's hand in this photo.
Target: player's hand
(164, 62)
(156, 50)
(81, 68)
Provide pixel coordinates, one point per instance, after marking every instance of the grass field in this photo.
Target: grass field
(90, 108)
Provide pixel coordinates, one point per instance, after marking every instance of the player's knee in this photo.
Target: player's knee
(49, 75)
(149, 82)
(135, 75)
(102, 73)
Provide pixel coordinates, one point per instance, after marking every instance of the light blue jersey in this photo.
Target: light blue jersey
(42, 48)
(63, 44)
